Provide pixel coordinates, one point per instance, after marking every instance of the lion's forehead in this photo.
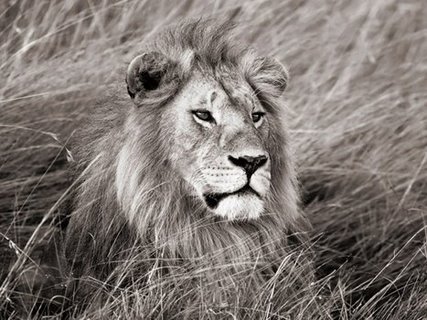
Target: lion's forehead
(231, 101)
(232, 104)
(230, 90)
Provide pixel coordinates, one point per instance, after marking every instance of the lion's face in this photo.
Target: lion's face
(214, 128)
(218, 146)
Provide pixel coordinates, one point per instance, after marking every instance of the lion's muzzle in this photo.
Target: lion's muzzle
(236, 186)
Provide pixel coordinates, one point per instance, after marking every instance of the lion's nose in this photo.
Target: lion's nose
(250, 164)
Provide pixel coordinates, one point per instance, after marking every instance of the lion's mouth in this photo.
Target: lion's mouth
(213, 199)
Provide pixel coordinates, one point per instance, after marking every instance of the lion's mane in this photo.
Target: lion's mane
(130, 206)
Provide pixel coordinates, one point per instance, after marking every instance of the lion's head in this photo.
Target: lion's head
(218, 122)
(192, 159)
(219, 139)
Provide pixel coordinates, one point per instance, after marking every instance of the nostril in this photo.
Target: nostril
(261, 160)
(240, 162)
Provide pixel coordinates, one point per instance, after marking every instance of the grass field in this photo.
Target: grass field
(358, 101)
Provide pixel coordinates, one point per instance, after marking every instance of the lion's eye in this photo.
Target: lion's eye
(257, 116)
(203, 115)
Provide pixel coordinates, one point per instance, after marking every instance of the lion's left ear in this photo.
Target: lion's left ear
(146, 73)
(266, 75)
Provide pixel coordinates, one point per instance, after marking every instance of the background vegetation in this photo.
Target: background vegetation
(358, 116)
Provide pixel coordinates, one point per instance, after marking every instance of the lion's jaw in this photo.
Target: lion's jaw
(207, 154)
(237, 207)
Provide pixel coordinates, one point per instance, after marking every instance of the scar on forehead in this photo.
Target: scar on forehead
(210, 98)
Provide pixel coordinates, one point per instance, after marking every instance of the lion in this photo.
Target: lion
(187, 162)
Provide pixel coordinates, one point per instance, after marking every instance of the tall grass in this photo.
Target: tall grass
(358, 104)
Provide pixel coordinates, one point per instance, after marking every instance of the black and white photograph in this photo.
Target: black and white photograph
(213, 159)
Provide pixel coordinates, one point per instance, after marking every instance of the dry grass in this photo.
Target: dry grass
(359, 122)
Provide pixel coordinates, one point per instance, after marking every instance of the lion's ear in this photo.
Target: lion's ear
(267, 75)
(146, 72)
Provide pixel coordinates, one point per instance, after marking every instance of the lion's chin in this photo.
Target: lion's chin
(240, 207)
